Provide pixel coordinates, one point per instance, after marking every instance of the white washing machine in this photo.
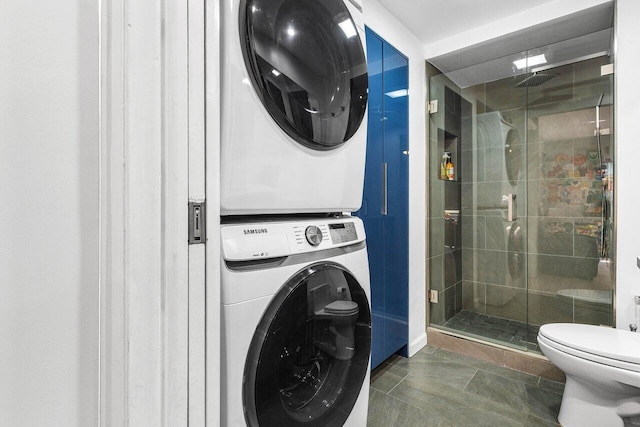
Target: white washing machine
(294, 98)
(296, 323)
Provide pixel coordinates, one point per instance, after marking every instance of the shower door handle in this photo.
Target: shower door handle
(384, 189)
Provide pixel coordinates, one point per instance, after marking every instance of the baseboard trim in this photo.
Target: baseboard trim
(417, 344)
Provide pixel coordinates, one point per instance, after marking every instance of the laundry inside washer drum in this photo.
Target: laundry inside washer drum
(310, 353)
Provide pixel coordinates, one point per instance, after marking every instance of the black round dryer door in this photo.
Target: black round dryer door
(307, 63)
(309, 356)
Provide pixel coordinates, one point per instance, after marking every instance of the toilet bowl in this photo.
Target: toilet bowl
(602, 366)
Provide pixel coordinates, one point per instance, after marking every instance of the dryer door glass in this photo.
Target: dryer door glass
(307, 63)
(309, 356)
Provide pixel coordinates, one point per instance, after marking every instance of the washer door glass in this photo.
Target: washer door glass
(307, 63)
(310, 353)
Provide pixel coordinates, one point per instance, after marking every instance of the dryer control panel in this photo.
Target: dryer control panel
(282, 238)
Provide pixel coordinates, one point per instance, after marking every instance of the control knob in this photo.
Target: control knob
(313, 235)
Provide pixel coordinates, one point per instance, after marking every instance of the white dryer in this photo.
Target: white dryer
(296, 323)
(294, 98)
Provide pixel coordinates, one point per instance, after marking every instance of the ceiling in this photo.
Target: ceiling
(433, 20)
(569, 38)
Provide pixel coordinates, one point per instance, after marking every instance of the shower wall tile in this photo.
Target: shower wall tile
(517, 116)
(586, 246)
(491, 267)
(435, 156)
(534, 161)
(518, 278)
(593, 313)
(589, 147)
(468, 264)
(552, 283)
(551, 236)
(563, 266)
(587, 71)
(547, 308)
(468, 167)
(452, 267)
(558, 90)
(458, 297)
(502, 96)
(496, 233)
(473, 232)
(484, 195)
(436, 236)
(577, 123)
(480, 160)
(537, 204)
(466, 196)
(507, 303)
(449, 302)
(436, 273)
(473, 297)
(437, 311)
(436, 198)
(467, 191)
(451, 195)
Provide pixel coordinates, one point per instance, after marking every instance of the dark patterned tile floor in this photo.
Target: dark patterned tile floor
(443, 389)
(505, 331)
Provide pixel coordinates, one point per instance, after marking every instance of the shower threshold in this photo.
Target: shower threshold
(494, 329)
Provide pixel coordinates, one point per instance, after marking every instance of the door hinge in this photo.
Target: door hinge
(432, 106)
(197, 222)
(606, 70)
(433, 296)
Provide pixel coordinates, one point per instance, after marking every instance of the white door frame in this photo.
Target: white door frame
(152, 284)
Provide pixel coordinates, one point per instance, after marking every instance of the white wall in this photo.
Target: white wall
(49, 188)
(383, 23)
(627, 112)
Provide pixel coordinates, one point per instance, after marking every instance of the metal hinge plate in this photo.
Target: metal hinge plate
(197, 222)
(432, 106)
(433, 296)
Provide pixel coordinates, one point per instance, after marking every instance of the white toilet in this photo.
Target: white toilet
(602, 366)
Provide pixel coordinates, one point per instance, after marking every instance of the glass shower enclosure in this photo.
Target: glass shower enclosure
(521, 200)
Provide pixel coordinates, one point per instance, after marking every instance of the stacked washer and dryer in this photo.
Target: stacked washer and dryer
(296, 319)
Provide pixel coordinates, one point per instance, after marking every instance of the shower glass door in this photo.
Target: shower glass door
(521, 233)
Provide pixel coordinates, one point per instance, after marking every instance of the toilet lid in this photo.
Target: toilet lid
(610, 343)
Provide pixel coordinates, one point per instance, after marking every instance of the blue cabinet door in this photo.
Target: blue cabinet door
(385, 200)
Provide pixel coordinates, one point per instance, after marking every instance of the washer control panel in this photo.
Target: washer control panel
(313, 235)
(244, 241)
(343, 232)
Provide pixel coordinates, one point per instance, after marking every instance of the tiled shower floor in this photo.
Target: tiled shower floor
(509, 332)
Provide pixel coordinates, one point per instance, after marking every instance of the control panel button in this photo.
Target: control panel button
(313, 235)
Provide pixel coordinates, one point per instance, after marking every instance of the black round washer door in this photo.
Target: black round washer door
(307, 63)
(310, 353)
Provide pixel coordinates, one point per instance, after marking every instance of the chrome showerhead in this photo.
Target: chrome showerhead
(534, 79)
